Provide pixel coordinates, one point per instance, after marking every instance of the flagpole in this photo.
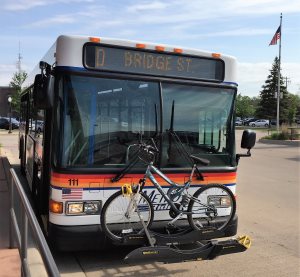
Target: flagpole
(278, 81)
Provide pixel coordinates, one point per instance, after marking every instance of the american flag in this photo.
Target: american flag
(276, 37)
(71, 193)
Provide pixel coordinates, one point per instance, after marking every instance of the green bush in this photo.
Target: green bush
(279, 136)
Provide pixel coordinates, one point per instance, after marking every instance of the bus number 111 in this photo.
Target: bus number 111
(73, 182)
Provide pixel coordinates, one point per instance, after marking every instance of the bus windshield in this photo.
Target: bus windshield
(99, 119)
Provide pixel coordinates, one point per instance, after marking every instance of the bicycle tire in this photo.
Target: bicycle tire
(114, 222)
(202, 217)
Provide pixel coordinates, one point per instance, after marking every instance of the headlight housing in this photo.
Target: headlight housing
(83, 207)
(219, 201)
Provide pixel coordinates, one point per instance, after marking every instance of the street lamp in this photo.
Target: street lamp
(9, 101)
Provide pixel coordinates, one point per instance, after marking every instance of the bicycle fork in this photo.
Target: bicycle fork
(133, 206)
(150, 239)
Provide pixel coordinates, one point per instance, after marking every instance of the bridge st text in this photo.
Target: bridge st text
(144, 61)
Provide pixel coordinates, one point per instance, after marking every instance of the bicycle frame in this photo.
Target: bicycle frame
(150, 176)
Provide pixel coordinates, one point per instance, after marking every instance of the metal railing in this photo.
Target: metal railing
(19, 230)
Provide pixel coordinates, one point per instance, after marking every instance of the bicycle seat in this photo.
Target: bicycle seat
(200, 160)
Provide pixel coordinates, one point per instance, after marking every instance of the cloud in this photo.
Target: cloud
(8, 70)
(147, 6)
(203, 10)
(6, 73)
(58, 19)
(252, 76)
(22, 5)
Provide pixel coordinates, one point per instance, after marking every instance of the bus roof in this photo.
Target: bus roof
(67, 51)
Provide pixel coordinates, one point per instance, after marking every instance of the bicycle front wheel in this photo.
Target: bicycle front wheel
(121, 215)
(212, 206)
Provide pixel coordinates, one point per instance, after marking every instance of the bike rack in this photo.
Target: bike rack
(188, 245)
(199, 250)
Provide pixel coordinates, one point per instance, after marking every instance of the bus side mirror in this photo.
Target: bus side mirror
(248, 141)
(43, 91)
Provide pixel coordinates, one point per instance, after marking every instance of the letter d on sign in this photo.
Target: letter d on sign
(128, 58)
(100, 57)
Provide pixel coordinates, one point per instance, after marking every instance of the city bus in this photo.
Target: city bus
(91, 99)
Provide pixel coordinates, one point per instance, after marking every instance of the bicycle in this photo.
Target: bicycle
(130, 211)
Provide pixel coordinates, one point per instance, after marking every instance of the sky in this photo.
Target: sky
(241, 28)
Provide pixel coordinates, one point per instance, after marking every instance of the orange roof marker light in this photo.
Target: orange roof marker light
(140, 45)
(177, 50)
(160, 48)
(216, 55)
(94, 39)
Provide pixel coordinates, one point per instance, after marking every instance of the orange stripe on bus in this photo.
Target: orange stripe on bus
(104, 180)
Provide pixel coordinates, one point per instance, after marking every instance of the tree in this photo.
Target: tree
(17, 81)
(267, 107)
(245, 106)
(293, 107)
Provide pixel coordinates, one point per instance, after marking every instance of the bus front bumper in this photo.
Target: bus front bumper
(91, 237)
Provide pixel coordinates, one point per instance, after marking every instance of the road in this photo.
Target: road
(268, 208)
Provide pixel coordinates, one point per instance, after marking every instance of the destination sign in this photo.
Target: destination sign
(136, 61)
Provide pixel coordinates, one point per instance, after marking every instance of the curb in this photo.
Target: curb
(294, 143)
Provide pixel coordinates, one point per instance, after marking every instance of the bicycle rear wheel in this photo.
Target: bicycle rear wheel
(212, 206)
(119, 216)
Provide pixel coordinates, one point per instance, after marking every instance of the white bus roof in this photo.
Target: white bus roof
(67, 51)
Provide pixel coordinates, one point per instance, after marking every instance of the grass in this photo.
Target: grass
(285, 133)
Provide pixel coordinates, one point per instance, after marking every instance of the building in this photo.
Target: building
(5, 92)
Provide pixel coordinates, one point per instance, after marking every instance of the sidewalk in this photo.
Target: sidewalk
(9, 258)
(9, 146)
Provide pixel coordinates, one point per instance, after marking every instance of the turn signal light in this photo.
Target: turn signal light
(55, 207)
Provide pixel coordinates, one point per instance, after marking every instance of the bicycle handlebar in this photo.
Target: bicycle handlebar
(148, 148)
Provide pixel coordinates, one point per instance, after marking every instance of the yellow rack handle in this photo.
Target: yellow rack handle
(127, 190)
(245, 241)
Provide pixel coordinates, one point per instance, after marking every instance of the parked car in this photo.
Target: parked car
(15, 121)
(4, 123)
(37, 126)
(273, 122)
(260, 123)
(247, 121)
(238, 123)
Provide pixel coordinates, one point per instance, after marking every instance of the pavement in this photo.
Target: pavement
(9, 258)
(10, 265)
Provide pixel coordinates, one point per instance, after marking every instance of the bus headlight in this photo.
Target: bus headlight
(82, 208)
(92, 207)
(219, 201)
(74, 208)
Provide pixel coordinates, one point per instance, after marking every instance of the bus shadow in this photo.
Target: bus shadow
(110, 262)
